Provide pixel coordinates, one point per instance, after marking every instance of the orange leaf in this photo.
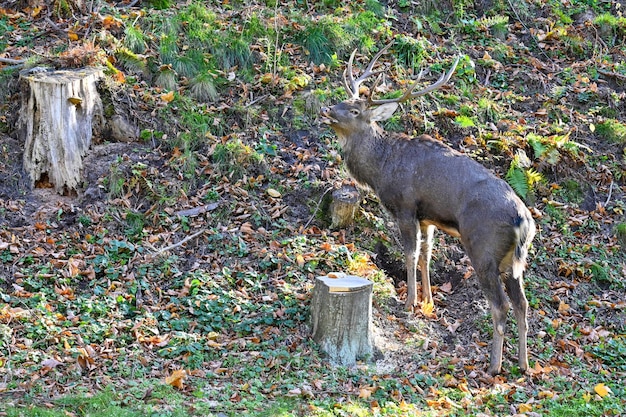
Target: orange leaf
(167, 97)
(525, 408)
(177, 379)
(119, 77)
(72, 35)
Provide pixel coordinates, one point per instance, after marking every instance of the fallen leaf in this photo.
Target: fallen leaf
(427, 308)
(602, 390)
(447, 288)
(167, 97)
(177, 378)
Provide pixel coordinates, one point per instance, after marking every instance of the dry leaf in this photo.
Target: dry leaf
(167, 97)
(177, 379)
(602, 390)
(447, 288)
(427, 308)
(366, 392)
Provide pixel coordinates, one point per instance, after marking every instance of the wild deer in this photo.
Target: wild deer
(426, 184)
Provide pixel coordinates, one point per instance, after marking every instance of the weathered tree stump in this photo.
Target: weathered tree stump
(59, 112)
(345, 203)
(341, 318)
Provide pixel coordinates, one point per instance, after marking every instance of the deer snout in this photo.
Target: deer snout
(326, 117)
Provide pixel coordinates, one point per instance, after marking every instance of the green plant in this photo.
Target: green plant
(203, 86)
(135, 39)
(323, 39)
(612, 130)
(498, 25)
(234, 158)
(611, 28)
(410, 52)
(521, 176)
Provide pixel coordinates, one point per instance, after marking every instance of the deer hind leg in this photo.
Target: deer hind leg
(424, 261)
(515, 289)
(411, 237)
(489, 278)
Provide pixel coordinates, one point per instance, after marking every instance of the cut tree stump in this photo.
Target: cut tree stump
(345, 203)
(60, 110)
(341, 317)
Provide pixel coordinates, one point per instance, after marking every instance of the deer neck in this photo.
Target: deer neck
(362, 151)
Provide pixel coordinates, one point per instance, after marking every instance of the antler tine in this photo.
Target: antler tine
(352, 85)
(409, 94)
(443, 80)
(348, 78)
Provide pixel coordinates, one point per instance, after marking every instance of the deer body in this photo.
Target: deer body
(425, 184)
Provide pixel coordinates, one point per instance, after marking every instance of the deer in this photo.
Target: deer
(427, 185)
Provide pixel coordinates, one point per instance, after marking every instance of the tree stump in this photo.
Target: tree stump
(341, 317)
(345, 202)
(59, 112)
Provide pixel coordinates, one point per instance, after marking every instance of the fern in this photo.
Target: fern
(538, 147)
(517, 180)
(131, 61)
(533, 177)
(494, 21)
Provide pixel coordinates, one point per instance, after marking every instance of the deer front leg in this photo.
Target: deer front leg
(410, 234)
(424, 261)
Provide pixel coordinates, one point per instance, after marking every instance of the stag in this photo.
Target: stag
(427, 185)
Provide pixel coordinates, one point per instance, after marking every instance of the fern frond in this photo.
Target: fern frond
(494, 21)
(533, 177)
(131, 61)
(536, 143)
(516, 178)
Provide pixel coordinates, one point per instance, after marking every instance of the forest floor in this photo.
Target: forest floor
(176, 280)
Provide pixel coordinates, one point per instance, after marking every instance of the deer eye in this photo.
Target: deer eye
(354, 112)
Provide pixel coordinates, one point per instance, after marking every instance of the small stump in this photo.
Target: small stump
(344, 205)
(341, 317)
(58, 113)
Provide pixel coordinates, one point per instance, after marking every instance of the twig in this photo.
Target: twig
(319, 202)
(610, 192)
(612, 74)
(12, 61)
(256, 100)
(56, 28)
(177, 244)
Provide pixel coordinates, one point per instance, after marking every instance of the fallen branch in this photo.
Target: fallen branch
(12, 61)
(177, 244)
(612, 74)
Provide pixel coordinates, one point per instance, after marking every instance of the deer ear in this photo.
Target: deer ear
(383, 112)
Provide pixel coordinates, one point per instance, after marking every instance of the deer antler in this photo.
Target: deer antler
(351, 85)
(409, 94)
